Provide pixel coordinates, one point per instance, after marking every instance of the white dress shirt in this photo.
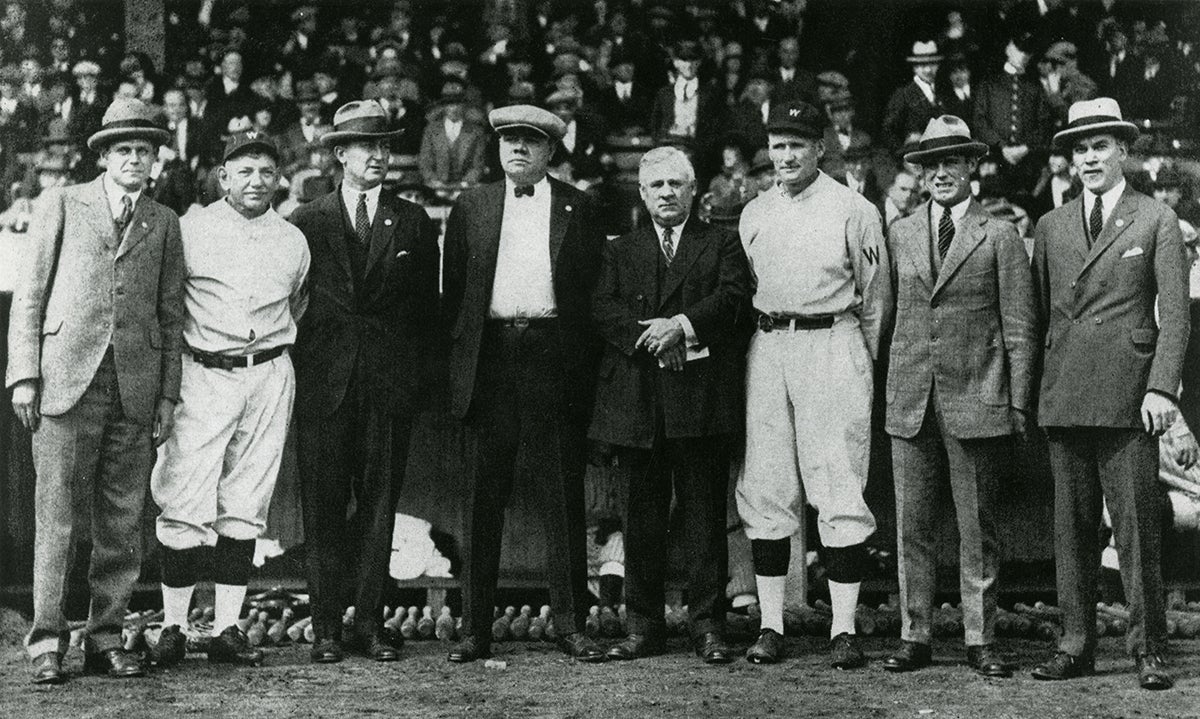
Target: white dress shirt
(1058, 189)
(453, 129)
(524, 281)
(926, 89)
(350, 201)
(624, 89)
(686, 106)
(114, 193)
(935, 220)
(1109, 199)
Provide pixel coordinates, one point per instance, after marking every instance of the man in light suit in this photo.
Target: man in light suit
(94, 367)
(361, 352)
(959, 385)
(521, 258)
(668, 304)
(1101, 264)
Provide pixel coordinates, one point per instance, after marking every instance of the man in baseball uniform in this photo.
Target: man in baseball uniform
(816, 248)
(243, 294)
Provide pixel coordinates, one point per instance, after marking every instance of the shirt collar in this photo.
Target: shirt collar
(541, 189)
(677, 230)
(350, 197)
(1010, 69)
(113, 192)
(956, 211)
(1109, 198)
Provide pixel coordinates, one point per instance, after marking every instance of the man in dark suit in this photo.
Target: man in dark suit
(688, 107)
(521, 259)
(668, 303)
(1102, 263)
(95, 340)
(360, 357)
(960, 383)
(914, 104)
(627, 102)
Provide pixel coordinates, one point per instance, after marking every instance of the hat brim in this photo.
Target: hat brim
(925, 59)
(265, 148)
(810, 132)
(343, 137)
(103, 138)
(553, 137)
(1124, 130)
(969, 149)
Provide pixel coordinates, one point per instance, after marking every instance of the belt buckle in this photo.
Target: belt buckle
(521, 323)
(249, 361)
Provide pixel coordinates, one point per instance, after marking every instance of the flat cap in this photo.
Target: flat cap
(529, 117)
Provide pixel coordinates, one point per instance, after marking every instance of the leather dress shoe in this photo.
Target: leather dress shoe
(232, 647)
(470, 649)
(1153, 672)
(47, 669)
(637, 646)
(115, 662)
(910, 657)
(767, 649)
(582, 648)
(326, 651)
(844, 652)
(711, 648)
(392, 637)
(171, 647)
(376, 647)
(986, 662)
(1064, 666)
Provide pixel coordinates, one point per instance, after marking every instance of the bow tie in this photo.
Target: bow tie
(523, 190)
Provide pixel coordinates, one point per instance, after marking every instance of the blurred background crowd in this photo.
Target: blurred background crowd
(626, 75)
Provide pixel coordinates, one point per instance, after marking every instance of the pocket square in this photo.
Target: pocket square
(401, 253)
(1132, 252)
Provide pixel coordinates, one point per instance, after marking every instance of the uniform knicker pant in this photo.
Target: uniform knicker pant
(519, 427)
(808, 418)
(216, 473)
(973, 468)
(92, 458)
(356, 454)
(1093, 466)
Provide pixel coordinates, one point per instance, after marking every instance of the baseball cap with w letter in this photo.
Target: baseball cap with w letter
(797, 118)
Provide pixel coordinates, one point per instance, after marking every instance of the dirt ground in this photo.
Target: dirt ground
(540, 682)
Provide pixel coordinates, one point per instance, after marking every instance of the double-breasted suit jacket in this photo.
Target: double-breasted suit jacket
(469, 270)
(380, 325)
(1103, 348)
(967, 335)
(88, 289)
(709, 282)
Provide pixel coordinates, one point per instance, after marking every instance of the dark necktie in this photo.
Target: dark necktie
(945, 233)
(362, 222)
(668, 244)
(523, 190)
(1095, 221)
(126, 215)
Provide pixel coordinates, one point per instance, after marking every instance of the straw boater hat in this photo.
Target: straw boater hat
(1093, 117)
(359, 120)
(528, 117)
(924, 51)
(944, 136)
(128, 119)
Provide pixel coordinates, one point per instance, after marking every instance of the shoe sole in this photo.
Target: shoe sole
(325, 660)
(50, 681)
(760, 659)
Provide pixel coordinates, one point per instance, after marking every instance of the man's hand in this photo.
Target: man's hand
(661, 334)
(1184, 450)
(1021, 422)
(674, 358)
(164, 421)
(1158, 413)
(27, 405)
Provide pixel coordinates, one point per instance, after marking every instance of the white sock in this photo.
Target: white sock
(843, 598)
(176, 603)
(228, 609)
(770, 601)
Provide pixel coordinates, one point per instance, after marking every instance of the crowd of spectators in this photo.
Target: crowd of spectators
(625, 75)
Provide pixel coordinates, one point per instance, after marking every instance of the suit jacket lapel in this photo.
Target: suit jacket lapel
(560, 218)
(1077, 230)
(99, 216)
(1120, 219)
(334, 214)
(645, 260)
(381, 232)
(690, 246)
(970, 237)
(919, 248)
(491, 211)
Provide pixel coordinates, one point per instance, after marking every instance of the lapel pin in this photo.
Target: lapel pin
(1120, 222)
(387, 221)
(144, 225)
(568, 208)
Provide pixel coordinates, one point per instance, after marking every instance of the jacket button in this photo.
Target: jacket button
(1072, 284)
(1075, 322)
(1099, 320)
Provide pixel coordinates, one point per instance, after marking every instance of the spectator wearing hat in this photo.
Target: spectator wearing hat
(94, 365)
(579, 148)
(954, 86)
(858, 173)
(841, 134)
(454, 146)
(1057, 185)
(749, 116)
(1014, 119)
(1171, 188)
(626, 103)
(228, 96)
(521, 258)
(959, 385)
(1111, 282)
(902, 197)
(298, 141)
(792, 82)
(1064, 84)
(244, 292)
(822, 302)
(362, 359)
(914, 104)
(761, 173)
(18, 116)
(687, 107)
(303, 48)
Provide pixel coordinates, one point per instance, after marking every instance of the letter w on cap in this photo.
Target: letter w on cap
(794, 111)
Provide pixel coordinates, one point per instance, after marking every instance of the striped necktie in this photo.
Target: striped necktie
(668, 244)
(1095, 221)
(945, 233)
(362, 222)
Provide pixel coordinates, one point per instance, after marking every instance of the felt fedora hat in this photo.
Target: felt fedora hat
(1094, 117)
(128, 119)
(945, 136)
(359, 120)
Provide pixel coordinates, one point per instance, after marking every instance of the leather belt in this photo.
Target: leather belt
(768, 323)
(215, 360)
(522, 323)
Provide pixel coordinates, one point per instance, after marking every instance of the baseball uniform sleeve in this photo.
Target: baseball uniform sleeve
(872, 273)
(298, 300)
(33, 291)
